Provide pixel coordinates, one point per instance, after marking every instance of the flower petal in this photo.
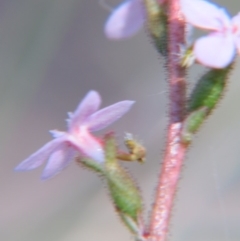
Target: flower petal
(56, 133)
(125, 20)
(206, 15)
(87, 144)
(237, 42)
(38, 158)
(236, 21)
(87, 106)
(108, 115)
(236, 27)
(58, 160)
(215, 50)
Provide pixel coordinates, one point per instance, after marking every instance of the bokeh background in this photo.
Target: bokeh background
(51, 54)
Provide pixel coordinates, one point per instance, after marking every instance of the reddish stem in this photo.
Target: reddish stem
(167, 186)
(175, 150)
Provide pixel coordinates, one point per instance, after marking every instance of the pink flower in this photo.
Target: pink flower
(125, 20)
(63, 148)
(218, 49)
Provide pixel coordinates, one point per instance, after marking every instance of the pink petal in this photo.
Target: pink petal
(58, 160)
(215, 50)
(125, 20)
(237, 42)
(87, 144)
(38, 158)
(206, 15)
(236, 21)
(87, 106)
(236, 27)
(105, 117)
(56, 133)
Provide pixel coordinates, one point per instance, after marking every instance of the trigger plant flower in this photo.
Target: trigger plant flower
(78, 138)
(217, 49)
(125, 20)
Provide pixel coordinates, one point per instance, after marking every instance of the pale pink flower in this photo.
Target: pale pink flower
(125, 20)
(217, 49)
(78, 139)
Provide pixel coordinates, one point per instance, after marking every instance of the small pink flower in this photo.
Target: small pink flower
(63, 148)
(125, 20)
(218, 49)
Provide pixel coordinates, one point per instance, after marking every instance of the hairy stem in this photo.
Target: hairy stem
(175, 149)
(167, 185)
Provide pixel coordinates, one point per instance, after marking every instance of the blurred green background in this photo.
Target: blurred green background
(51, 53)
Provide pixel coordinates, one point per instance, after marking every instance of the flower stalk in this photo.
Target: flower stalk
(175, 149)
(167, 184)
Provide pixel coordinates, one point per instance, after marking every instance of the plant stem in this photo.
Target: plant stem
(175, 149)
(176, 73)
(167, 185)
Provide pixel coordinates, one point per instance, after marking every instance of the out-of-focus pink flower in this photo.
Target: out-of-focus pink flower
(78, 139)
(218, 49)
(125, 20)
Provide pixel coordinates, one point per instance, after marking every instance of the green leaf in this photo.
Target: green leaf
(209, 89)
(192, 123)
(157, 24)
(123, 191)
(204, 98)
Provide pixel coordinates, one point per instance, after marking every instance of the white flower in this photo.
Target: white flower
(218, 49)
(62, 149)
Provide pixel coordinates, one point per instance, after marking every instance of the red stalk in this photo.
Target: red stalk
(175, 150)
